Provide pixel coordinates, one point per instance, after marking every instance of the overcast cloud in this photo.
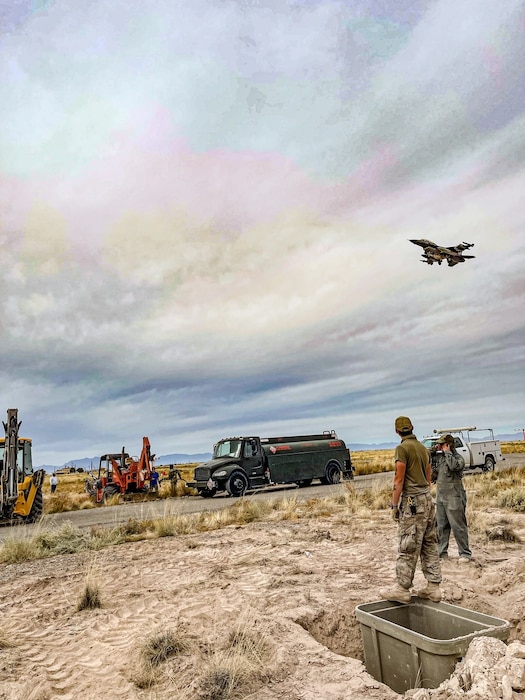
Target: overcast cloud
(205, 210)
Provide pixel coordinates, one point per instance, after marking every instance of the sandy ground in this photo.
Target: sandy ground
(292, 586)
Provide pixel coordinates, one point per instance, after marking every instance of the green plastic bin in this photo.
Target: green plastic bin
(417, 645)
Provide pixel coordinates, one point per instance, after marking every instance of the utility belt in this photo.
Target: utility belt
(413, 500)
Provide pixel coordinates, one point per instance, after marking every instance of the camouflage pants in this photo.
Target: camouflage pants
(417, 540)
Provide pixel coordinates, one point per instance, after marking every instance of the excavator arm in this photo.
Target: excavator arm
(145, 456)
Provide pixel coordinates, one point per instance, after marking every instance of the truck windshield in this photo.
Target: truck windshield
(430, 442)
(227, 448)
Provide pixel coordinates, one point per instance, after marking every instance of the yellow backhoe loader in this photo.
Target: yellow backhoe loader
(21, 498)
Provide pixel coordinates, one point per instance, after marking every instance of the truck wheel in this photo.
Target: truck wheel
(332, 474)
(37, 508)
(489, 464)
(237, 484)
(207, 493)
(109, 492)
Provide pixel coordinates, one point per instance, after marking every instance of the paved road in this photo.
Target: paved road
(114, 515)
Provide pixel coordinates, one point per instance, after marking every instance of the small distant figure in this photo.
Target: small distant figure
(54, 482)
(154, 481)
(174, 475)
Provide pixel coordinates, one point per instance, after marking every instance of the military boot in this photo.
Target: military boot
(431, 591)
(396, 593)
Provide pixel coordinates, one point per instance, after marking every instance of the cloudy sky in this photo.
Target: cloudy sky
(205, 210)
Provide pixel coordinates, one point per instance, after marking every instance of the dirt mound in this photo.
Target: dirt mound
(490, 669)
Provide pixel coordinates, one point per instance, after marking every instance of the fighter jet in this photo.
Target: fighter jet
(436, 253)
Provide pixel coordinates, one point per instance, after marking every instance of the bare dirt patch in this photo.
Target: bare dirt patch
(264, 611)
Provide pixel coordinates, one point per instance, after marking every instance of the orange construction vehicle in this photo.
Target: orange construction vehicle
(119, 473)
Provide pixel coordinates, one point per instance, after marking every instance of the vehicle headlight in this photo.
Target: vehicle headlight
(222, 472)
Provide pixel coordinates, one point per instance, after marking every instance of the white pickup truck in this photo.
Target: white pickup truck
(479, 452)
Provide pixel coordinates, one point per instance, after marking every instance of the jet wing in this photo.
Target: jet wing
(460, 247)
(455, 259)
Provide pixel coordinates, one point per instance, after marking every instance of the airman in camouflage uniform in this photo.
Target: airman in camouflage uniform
(451, 497)
(414, 511)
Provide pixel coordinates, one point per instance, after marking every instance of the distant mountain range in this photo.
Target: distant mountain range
(90, 463)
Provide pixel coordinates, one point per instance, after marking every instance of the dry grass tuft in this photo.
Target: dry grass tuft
(157, 648)
(62, 502)
(66, 539)
(90, 598)
(160, 646)
(502, 532)
(16, 550)
(218, 683)
(286, 508)
(319, 507)
(135, 527)
(505, 489)
(250, 641)
(247, 510)
(215, 520)
(238, 669)
(513, 499)
(165, 527)
(378, 497)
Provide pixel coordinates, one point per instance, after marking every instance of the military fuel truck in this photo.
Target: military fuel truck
(241, 464)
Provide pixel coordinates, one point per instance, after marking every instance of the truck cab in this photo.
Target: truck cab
(240, 453)
(237, 464)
